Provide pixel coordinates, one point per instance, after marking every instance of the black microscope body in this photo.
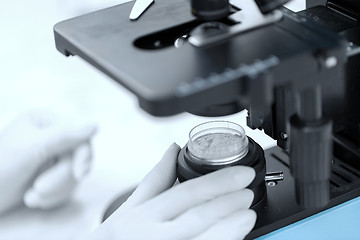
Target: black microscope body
(297, 75)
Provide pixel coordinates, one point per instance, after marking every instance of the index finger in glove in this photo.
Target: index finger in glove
(159, 179)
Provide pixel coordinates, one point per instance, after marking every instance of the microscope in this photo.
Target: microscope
(296, 74)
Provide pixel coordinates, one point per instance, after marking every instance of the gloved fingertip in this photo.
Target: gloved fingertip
(174, 146)
(171, 152)
(250, 216)
(245, 172)
(249, 194)
(31, 199)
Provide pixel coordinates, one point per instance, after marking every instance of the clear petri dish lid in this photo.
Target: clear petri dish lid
(217, 142)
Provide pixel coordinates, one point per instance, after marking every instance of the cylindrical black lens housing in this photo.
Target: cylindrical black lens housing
(210, 9)
(187, 169)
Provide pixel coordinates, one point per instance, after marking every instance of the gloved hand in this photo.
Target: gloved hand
(214, 206)
(41, 160)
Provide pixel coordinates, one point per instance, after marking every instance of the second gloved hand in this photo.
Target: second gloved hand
(42, 157)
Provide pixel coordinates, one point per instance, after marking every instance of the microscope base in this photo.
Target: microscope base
(281, 207)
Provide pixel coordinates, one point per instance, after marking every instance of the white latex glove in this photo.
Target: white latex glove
(214, 206)
(41, 160)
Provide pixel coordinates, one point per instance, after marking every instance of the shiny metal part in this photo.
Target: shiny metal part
(274, 176)
(248, 18)
(353, 49)
(139, 8)
(284, 136)
(328, 61)
(179, 42)
(271, 183)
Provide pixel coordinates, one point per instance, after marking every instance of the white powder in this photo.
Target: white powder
(217, 145)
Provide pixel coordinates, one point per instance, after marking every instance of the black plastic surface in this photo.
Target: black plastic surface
(281, 208)
(173, 80)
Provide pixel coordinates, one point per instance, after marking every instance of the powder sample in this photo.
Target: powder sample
(217, 145)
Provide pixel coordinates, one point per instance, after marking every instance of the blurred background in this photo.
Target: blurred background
(34, 75)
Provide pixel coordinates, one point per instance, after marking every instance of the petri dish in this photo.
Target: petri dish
(217, 143)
